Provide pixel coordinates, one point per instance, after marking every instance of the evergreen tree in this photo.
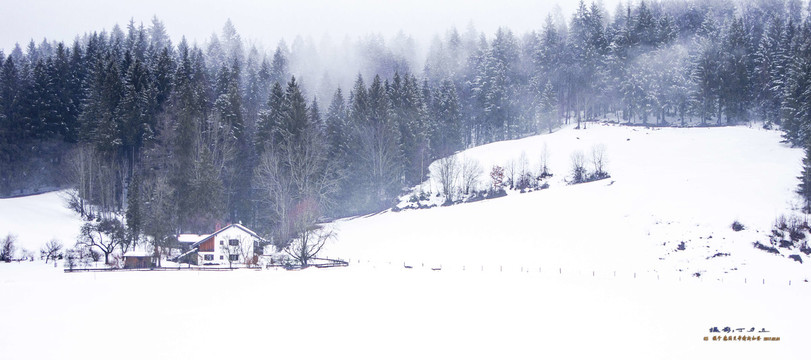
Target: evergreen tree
(446, 137)
(337, 130)
(736, 84)
(270, 119)
(548, 108)
(279, 70)
(804, 189)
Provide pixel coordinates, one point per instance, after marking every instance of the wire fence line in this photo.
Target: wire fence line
(494, 268)
(560, 270)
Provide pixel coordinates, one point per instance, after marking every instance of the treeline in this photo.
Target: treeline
(181, 137)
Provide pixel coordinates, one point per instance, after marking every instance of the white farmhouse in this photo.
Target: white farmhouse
(231, 245)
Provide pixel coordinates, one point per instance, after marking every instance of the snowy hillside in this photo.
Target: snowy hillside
(667, 186)
(37, 219)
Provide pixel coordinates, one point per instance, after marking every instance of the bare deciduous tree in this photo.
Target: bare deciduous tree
(276, 186)
(524, 177)
(231, 252)
(106, 235)
(26, 254)
(447, 172)
(598, 160)
(291, 171)
(523, 164)
(309, 237)
(7, 247)
(578, 167)
(543, 171)
(51, 250)
(308, 244)
(511, 170)
(471, 172)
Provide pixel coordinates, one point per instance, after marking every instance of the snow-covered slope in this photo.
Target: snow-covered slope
(667, 186)
(37, 219)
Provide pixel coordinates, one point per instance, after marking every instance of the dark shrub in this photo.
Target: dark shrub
(737, 226)
(496, 193)
(765, 248)
(796, 234)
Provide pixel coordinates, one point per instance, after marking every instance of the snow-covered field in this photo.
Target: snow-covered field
(364, 313)
(667, 186)
(581, 271)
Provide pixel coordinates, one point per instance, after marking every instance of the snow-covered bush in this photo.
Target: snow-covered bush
(578, 167)
(792, 227)
(790, 233)
(7, 247)
(765, 248)
(525, 181)
(737, 226)
(579, 172)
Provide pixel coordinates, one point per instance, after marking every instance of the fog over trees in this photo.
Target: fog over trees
(180, 137)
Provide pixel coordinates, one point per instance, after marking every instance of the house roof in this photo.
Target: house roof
(190, 238)
(137, 253)
(203, 238)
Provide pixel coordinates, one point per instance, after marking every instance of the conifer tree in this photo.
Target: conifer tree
(804, 189)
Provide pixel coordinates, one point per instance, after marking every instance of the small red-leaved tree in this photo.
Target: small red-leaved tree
(497, 178)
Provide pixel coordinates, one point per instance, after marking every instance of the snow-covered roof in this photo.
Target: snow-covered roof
(190, 238)
(137, 253)
(203, 238)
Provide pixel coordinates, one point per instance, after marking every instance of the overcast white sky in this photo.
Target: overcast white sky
(266, 22)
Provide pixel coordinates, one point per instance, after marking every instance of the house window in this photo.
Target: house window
(233, 257)
(208, 257)
(222, 242)
(221, 257)
(233, 242)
